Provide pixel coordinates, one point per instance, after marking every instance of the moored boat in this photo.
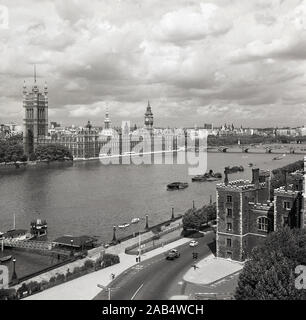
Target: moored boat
(234, 169)
(210, 176)
(5, 259)
(123, 226)
(177, 185)
(135, 220)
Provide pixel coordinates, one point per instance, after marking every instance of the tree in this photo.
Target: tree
(11, 149)
(195, 218)
(52, 152)
(278, 175)
(269, 273)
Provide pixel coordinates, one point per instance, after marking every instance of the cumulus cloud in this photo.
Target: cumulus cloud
(193, 23)
(207, 61)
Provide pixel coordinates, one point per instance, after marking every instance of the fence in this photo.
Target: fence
(129, 250)
(155, 246)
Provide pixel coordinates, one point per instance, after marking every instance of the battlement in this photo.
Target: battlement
(239, 185)
(281, 191)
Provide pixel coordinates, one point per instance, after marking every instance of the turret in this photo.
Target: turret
(45, 89)
(24, 88)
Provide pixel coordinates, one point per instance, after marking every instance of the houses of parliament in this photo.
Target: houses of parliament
(88, 141)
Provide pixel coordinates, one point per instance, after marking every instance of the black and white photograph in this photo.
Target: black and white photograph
(152, 150)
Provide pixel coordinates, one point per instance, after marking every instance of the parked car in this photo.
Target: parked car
(172, 254)
(193, 243)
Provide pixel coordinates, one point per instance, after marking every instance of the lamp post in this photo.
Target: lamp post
(147, 221)
(114, 234)
(172, 213)
(193, 206)
(2, 241)
(108, 289)
(71, 243)
(14, 276)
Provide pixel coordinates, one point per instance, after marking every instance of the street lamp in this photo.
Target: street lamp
(2, 241)
(172, 213)
(108, 289)
(14, 276)
(114, 234)
(71, 243)
(147, 222)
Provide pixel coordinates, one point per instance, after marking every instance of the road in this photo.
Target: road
(157, 278)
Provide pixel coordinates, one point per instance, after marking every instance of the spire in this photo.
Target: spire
(24, 88)
(34, 73)
(46, 88)
(149, 107)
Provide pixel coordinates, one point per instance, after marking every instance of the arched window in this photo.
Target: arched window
(262, 223)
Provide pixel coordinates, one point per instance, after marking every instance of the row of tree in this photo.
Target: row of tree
(249, 139)
(51, 152)
(278, 175)
(11, 150)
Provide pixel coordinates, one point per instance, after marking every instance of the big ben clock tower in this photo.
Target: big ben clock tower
(149, 118)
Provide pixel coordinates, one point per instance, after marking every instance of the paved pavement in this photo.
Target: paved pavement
(158, 278)
(212, 269)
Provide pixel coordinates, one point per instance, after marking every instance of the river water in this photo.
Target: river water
(90, 197)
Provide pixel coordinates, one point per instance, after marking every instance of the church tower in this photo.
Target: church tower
(149, 119)
(35, 104)
(107, 121)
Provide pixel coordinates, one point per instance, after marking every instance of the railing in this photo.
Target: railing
(28, 244)
(160, 234)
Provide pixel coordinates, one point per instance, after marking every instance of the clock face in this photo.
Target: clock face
(147, 119)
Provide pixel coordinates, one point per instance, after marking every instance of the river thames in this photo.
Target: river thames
(90, 197)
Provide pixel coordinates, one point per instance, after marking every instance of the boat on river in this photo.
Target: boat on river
(5, 259)
(177, 185)
(135, 220)
(234, 169)
(210, 176)
(123, 226)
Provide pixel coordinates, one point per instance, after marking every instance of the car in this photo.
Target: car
(193, 243)
(172, 254)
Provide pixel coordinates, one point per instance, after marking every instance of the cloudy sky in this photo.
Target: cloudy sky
(197, 62)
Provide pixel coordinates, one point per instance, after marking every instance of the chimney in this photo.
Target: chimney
(225, 177)
(255, 177)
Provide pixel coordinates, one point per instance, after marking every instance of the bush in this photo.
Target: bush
(60, 278)
(106, 261)
(89, 264)
(156, 229)
(8, 294)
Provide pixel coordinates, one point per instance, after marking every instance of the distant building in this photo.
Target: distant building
(148, 121)
(83, 143)
(289, 132)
